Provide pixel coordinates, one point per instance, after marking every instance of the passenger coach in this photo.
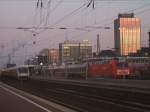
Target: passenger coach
(20, 72)
(108, 68)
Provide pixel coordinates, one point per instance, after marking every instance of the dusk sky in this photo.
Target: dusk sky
(71, 14)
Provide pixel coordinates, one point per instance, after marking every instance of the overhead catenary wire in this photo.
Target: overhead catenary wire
(64, 17)
(48, 11)
(81, 7)
(78, 0)
(101, 21)
(112, 20)
(52, 10)
(68, 15)
(40, 19)
(143, 6)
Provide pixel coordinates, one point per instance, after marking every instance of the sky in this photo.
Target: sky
(81, 22)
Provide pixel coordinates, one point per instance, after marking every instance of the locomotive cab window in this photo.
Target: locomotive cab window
(122, 65)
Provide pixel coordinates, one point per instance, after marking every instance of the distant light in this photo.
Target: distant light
(41, 63)
(85, 40)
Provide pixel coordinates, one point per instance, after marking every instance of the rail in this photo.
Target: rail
(86, 98)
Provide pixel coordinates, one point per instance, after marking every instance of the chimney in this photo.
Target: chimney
(98, 45)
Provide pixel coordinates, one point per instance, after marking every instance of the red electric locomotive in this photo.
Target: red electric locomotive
(108, 68)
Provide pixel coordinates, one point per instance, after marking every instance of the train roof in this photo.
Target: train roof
(76, 65)
(116, 58)
(20, 66)
(68, 66)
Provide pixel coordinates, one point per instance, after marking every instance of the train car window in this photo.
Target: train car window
(122, 64)
(23, 70)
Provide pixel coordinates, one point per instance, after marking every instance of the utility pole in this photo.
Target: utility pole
(79, 53)
(149, 38)
(9, 59)
(149, 42)
(91, 2)
(40, 4)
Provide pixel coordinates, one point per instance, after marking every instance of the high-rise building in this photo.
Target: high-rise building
(74, 52)
(127, 34)
(54, 56)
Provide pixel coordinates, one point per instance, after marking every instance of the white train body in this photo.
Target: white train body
(20, 72)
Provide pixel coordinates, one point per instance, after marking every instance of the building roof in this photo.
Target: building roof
(126, 15)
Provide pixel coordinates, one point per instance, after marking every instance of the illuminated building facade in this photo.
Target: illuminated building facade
(127, 34)
(53, 56)
(74, 52)
(49, 56)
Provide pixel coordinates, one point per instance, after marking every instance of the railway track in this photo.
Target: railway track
(84, 98)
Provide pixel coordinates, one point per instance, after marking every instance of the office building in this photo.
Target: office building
(74, 52)
(127, 34)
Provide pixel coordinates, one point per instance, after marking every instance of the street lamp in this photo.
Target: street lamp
(41, 64)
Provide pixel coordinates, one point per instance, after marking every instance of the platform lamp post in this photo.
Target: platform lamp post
(87, 66)
(149, 47)
(149, 42)
(41, 67)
